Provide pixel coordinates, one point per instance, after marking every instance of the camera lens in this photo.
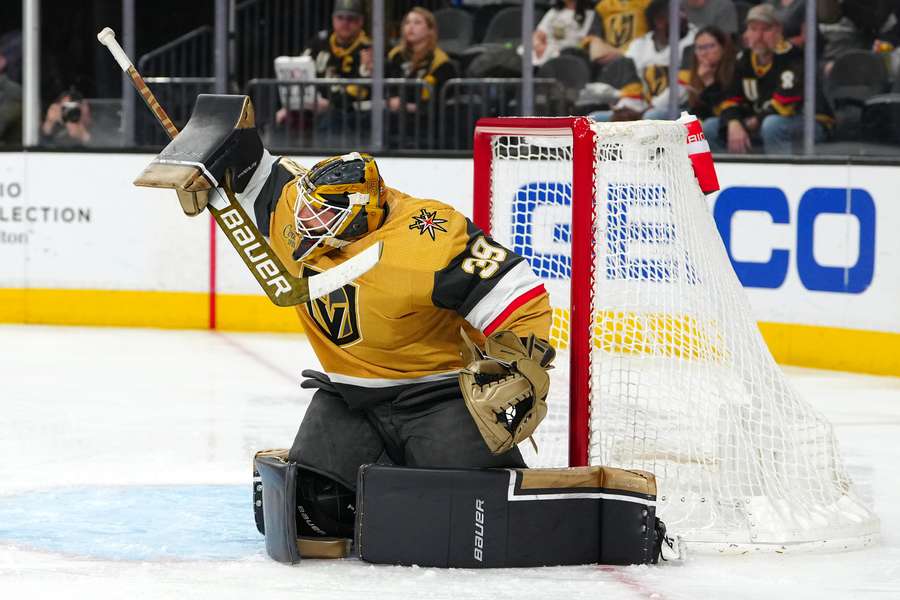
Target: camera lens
(71, 112)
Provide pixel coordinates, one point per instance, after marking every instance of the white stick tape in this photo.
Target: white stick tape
(107, 37)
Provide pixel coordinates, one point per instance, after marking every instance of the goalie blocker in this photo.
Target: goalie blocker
(470, 518)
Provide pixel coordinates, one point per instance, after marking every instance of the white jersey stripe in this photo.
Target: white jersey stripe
(514, 283)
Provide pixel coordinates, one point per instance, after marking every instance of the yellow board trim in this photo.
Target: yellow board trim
(113, 308)
(874, 352)
(254, 313)
(813, 346)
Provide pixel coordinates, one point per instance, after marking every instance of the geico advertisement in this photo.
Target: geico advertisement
(814, 244)
(75, 221)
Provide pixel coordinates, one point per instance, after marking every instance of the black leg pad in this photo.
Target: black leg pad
(279, 497)
(505, 518)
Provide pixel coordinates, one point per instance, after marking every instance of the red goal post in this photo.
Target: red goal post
(582, 136)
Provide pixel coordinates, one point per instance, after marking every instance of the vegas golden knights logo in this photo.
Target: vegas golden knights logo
(336, 315)
(622, 28)
(657, 79)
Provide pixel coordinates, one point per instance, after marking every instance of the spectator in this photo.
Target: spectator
(646, 89)
(766, 96)
(67, 123)
(620, 23)
(710, 76)
(417, 56)
(344, 53)
(10, 108)
(719, 13)
(567, 25)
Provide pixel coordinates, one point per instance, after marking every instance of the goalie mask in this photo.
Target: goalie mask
(339, 200)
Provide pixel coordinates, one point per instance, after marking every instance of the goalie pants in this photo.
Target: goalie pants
(421, 425)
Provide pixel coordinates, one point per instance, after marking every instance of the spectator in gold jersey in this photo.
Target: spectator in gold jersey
(620, 22)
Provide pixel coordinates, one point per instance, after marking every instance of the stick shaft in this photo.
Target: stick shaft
(151, 102)
(281, 287)
(107, 37)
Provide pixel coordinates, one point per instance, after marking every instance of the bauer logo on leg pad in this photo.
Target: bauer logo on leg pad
(478, 553)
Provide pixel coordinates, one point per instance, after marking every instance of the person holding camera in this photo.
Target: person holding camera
(67, 123)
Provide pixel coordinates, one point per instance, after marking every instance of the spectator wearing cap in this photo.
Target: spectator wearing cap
(766, 97)
(721, 14)
(343, 53)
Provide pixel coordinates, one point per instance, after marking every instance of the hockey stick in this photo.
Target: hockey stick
(282, 288)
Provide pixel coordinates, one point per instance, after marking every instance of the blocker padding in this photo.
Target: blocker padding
(501, 518)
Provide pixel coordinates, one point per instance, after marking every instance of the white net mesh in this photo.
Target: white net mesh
(532, 185)
(681, 382)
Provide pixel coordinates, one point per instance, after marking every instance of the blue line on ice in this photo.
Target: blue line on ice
(193, 522)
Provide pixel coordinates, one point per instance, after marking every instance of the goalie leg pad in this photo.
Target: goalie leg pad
(301, 513)
(279, 503)
(506, 518)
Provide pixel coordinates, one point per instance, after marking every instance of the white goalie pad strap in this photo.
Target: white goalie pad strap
(190, 163)
(517, 282)
(372, 382)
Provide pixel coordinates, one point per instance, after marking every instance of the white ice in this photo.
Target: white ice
(119, 410)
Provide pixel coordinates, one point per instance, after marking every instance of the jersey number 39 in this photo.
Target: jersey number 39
(485, 259)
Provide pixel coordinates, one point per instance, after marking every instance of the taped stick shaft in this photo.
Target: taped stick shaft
(151, 102)
(107, 37)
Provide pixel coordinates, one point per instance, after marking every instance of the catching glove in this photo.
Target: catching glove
(505, 387)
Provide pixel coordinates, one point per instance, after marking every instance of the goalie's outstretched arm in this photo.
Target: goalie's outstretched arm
(218, 152)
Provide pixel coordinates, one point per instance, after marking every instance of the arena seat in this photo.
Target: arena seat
(456, 30)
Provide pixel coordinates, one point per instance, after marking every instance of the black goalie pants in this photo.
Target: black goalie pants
(421, 425)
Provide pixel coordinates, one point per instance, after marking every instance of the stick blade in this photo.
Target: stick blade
(337, 277)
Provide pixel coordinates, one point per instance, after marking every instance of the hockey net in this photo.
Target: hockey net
(657, 348)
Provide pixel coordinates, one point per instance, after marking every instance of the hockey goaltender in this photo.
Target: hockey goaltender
(435, 367)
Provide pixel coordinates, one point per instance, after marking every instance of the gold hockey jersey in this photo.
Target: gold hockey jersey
(622, 20)
(399, 323)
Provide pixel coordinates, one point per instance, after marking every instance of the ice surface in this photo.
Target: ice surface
(126, 464)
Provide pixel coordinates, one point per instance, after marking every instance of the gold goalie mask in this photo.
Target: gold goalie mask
(337, 201)
(505, 387)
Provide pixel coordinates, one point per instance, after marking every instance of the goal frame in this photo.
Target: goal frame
(583, 147)
(795, 495)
